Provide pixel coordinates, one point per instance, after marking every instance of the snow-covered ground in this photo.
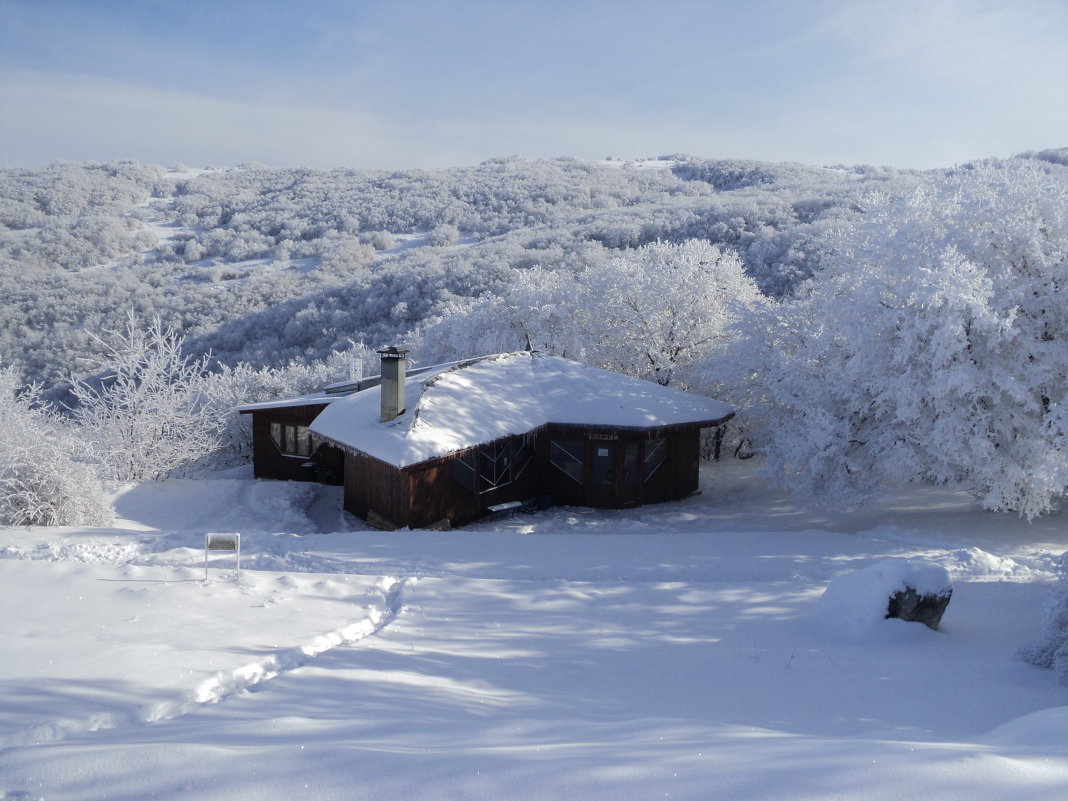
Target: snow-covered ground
(663, 652)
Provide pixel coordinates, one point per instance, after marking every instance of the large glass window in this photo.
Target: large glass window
(291, 440)
(494, 465)
(523, 456)
(655, 454)
(463, 470)
(491, 466)
(567, 456)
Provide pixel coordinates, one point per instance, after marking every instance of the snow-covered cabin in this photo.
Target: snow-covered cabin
(450, 442)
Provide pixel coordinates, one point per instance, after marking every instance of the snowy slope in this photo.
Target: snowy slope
(664, 652)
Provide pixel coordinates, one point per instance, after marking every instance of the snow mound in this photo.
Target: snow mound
(1046, 729)
(219, 505)
(854, 605)
(976, 564)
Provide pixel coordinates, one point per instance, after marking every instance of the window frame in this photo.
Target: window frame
(651, 451)
(560, 446)
(492, 465)
(291, 439)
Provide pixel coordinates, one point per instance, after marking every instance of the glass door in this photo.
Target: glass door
(614, 473)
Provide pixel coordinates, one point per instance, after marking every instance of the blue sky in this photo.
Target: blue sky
(416, 83)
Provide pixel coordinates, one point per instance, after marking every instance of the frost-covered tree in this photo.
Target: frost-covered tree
(654, 312)
(80, 244)
(658, 311)
(44, 478)
(935, 348)
(146, 415)
(535, 311)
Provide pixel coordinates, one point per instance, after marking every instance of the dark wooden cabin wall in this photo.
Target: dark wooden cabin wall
(435, 495)
(426, 494)
(677, 477)
(269, 462)
(371, 485)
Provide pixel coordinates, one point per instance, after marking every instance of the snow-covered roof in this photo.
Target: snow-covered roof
(464, 405)
(312, 399)
(333, 392)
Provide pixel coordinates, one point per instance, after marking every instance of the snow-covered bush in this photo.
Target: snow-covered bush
(381, 240)
(936, 348)
(1052, 650)
(443, 236)
(146, 416)
(44, 480)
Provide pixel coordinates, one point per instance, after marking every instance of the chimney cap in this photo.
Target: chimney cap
(393, 352)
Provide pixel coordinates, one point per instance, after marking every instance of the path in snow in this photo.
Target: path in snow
(56, 688)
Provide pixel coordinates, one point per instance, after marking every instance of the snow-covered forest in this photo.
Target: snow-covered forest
(870, 324)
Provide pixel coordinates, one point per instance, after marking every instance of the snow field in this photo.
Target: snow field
(673, 652)
(100, 647)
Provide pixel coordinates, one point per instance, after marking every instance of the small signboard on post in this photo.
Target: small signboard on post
(222, 542)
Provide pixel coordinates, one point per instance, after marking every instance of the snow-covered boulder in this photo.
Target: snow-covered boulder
(858, 602)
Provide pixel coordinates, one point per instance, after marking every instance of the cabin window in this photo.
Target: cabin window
(567, 456)
(463, 470)
(291, 440)
(492, 466)
(524, 454)
(655, 455)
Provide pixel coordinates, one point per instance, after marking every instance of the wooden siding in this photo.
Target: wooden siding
(434, 494)
(374, 486)
(676, 478)
(327, 463)
(422, 495)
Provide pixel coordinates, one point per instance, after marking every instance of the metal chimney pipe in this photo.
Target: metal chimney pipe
(392, 387)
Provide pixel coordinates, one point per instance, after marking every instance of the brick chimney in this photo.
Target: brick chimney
(392, 388)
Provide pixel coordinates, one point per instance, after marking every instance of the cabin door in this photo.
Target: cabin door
(614, 473)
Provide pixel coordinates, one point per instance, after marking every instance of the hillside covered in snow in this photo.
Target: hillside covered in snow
(266, 265)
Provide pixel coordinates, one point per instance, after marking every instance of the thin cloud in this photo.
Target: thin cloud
(912, 84)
